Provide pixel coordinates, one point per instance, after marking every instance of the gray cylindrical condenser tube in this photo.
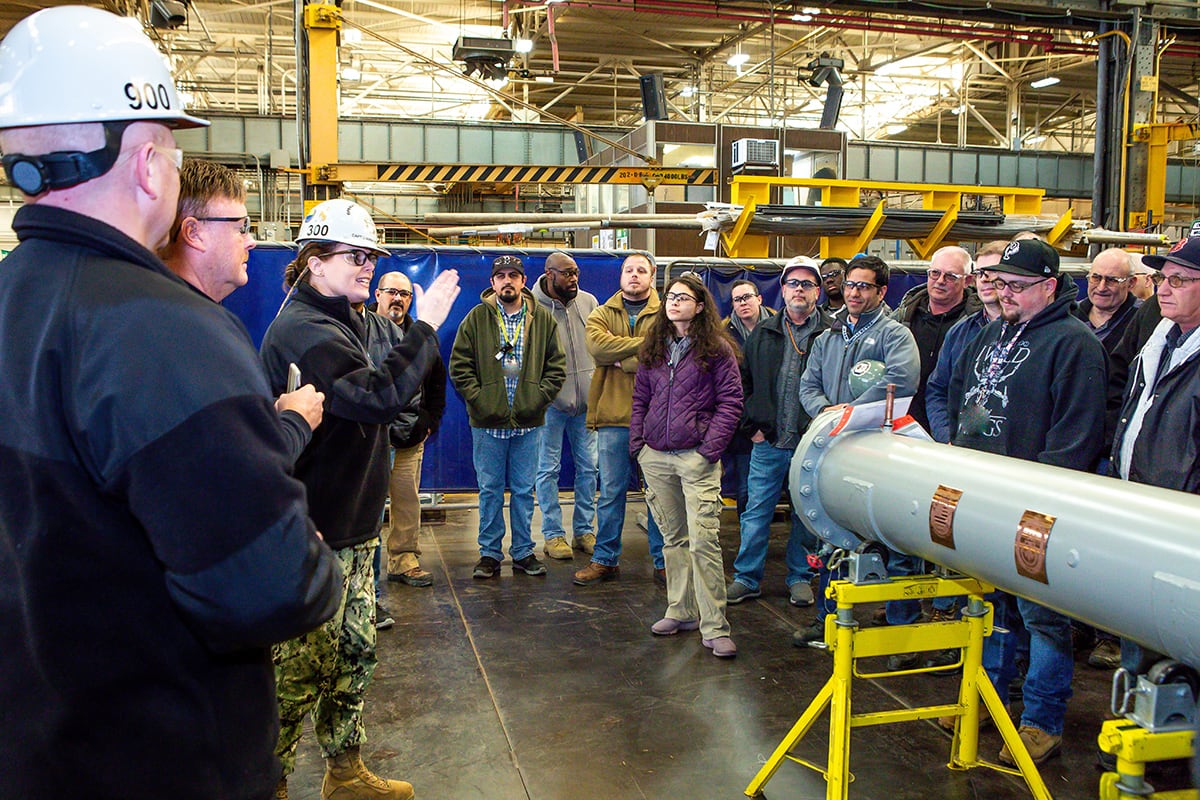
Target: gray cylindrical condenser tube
(1121, 556)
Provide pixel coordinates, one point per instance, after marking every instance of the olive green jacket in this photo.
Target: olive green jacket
(477, 375)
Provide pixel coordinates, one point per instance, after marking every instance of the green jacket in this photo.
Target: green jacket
(477, 376)
(609, 340)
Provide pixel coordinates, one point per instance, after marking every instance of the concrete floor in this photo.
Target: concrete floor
(521, 687)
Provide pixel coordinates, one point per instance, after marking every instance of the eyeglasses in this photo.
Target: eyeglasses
(1096, 280)
(356, 257)
(744, 298)
(796, 283)
(833, 273)
(999, 284)
(679, 297)
(1174, 281)
(860, 285)
(174, 154)
(939, 274)
(243, 222)
(403, 294)
(566, 273)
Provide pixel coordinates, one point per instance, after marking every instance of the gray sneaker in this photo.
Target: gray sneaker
(740, 592)
(800, 594)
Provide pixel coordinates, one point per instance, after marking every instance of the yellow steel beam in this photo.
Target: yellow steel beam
(733, 239)
(749, 195)
(322, 21)
(510, 173)
(1156, 137)
(865, 235)
(925, 247)
(1060, 229)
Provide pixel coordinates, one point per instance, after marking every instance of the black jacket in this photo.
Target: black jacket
(1120, 321)
(763, 355)
(345, 466)
(152, 542)
(1167, 450)
(1136, 334)
(929, 330)
(422, 416)
(1048, 404)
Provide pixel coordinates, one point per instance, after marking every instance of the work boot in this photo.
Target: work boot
(347, 778)
(281, 789)
(985, 719)
(1042, 746)
(586, 543)
(1105, 655)
(594, 573)
(557, 547)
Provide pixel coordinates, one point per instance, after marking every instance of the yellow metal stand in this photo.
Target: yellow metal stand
(849, 644)
(1135, 747)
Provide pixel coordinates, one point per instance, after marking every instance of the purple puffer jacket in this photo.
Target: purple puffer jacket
(691, 408)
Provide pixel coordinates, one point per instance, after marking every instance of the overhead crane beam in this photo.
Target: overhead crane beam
(650, 177)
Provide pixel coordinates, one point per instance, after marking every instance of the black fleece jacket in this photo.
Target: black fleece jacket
(152, 542)
(345, 466)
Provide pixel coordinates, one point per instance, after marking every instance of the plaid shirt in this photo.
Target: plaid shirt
(512, 329)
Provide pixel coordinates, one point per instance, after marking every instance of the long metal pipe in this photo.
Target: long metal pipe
(1121, 556)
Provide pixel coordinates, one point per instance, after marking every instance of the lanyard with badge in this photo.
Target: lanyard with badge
(976, 419)
(507, 355)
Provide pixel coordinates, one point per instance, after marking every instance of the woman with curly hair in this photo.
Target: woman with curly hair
(687, 400)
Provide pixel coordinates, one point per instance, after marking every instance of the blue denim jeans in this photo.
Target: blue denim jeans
(583, 449)
(615, 466)
(736, 466)
(903, 612)
(1051, 659)
(500, 463)
(767, 476)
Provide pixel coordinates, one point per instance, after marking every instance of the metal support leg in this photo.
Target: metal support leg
(848, 644)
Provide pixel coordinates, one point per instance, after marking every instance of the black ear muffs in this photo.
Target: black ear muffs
(62, 169)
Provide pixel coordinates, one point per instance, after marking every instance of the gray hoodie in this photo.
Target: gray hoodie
(572, 399)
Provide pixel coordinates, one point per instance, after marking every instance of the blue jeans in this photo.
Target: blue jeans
(736, 466)
(500, 463)
(615, 464)
(1051, 659)
(583, 448)
(903, 612)
(765, 480)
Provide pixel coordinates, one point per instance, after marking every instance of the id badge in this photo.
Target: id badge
(975, 419)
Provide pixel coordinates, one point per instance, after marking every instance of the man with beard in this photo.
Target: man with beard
(615, 332)
(558, 292)
(508, 367)
(1031, 386)
(862, 332)
(408, 434)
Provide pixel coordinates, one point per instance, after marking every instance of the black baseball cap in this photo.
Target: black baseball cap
(1031, 257)
(1185, 253)
(508, 262)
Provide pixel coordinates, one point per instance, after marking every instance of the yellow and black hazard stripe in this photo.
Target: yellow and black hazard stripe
(500, 173)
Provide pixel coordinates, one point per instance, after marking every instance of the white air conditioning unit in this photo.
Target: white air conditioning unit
(755, 154)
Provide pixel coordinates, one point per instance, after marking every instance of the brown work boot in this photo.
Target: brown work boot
(281, 789)
(347, 778)
(1042, 746)
(985, 719)
(594, 573)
